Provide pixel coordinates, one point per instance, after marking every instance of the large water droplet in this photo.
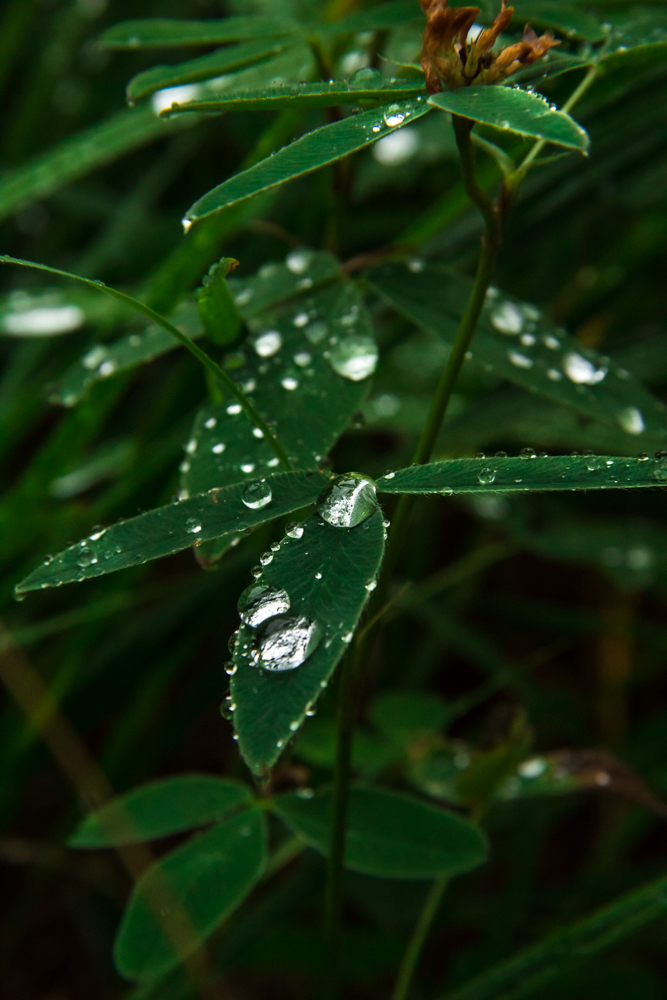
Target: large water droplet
(660, 471)
(393, 115)
(298, 261)
(294, 530)
(349, 500)
(486, 476)
(192, 526)
(366, 79)
(286, 643)
(257, 495)
(354, 357)
(582, 371)
(631, 420)
(268, 343)
(259, 602)
(507, 318)
(519, 360)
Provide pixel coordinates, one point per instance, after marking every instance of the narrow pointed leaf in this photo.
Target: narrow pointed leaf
(207, 67)
(161, 808)
(186, 895)
(527, 972)
(389, 834)
(515, 341)
(308, 95)
(286, 367)
(325, 574)
(515, 110)
(560, 472)
(164, 33)
(312, 151)
(169, 529)
(217, 311)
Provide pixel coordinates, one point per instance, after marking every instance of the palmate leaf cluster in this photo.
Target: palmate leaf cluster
(287, 252)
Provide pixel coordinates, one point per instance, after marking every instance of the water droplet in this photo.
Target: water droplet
(582, 371)
(507, 318)
(554, 375)
(348, 637)
(370, 587)
(256, 572)
(257, 432)
(107, 368)
(532, 768)
(230, 668)
(218, 448)
(366, 79)
(94, 357)
(249, 386)
(85, 557)
(259, 602)
(594, 463)
(247, 467)
(268, 343)
(294, 725)
(286, 643)
(553, 343)
(187, 225)
(299, 260)
(257, 495)
(233, 409)
(302, 359)
(243, 297)
(416, 265)
(318, 576)
(389, 475)
(294, 530)
(528, 339)
(210, 423)
(273, 462)
(527, 453)
(191, 446)
(347, 501)
(631, 420)
(393, 116)
(301, 319)
(376, 128)
(355, 357)
(660, 471)
(289, 383)
(192, 526)
(316, 332)
(486, 476)
(519, 360)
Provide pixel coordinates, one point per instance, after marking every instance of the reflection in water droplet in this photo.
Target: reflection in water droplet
(257, 495)
(519, 360)
(294, 530)
(218, 448)
(393, 115)
(299, 260)
(348, 500)
(507, 318)
(582, 371)
(302, 359)
(210, 423)
(286, 643)
(366, 79)
(247, 467)
(94, 357)
(243, 297)
(316, 332)
(553, 343)
(257, 432)
(301, 319)
(416, 265)
(192, 526)
(354, 357)
(594, 463)
(486, 476)
(631, 420)
(527, 453)
(289, 383)
(266, 558)
(233, 409)
(268, 344)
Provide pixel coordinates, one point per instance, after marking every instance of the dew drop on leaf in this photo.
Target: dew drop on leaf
(294, 530)
(257, 495)
(366, 79)
(487, 476)
(355, 357)
(285, 643)
(631, 420)
(192, 526)
(347, 501)
(507, 318)
(393, 115)
(582, 371)
(259, 602)
(298, 261)
(268, 344)
(289, 383)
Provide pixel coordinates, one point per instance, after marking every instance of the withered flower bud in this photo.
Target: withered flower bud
(449, 58)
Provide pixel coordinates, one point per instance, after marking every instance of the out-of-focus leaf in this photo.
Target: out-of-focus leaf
(296, 95)
(389, 834)
(526, 473)
(316, 744)
(565, 18)
(381, 17)
(516, 342)
(637, 41)
(322, 576)
(165, 33)
(169, 529)
(402, 715)
(302, 270)
(217, 312)
(314, 150)
(227, 60)
(515, 110)
(184, 896)
(161, 808)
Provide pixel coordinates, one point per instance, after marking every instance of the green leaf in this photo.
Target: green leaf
(77, 155)
(389, 834)
(275, 282)
(526, 474)
(637, 41)
(314, 150)
(159, 32)
(182, 898)
(515, 341)
(101, 361)
(515, 110)
(322, 574)
(402, 715)
(161, 808)
(527, 972)
(381, 17)
(297, 95)
(169, 529)
(286, 368)
(208, 67)
(219, 316)
(565, 18)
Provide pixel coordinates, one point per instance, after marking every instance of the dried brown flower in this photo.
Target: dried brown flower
(449, 58)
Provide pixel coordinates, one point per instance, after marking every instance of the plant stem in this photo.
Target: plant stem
(418, 939)
(336, 862)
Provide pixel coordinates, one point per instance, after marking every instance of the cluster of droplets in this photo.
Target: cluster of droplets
(280, 641)
(348, 501)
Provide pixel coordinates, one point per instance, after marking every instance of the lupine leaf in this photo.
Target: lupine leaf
(525, 474)
(515, 341)
(169, 529)
(314, 150)
(185, 895)
(530, 970)
(226, 60)
(276, 281)
(163, 32)
(389, 834)
(563, 17)
(161, 808)
(325, 574)
(217, 311)
(514, 110)
(295, 95)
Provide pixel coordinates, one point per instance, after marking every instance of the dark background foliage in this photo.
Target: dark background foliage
(571, 625)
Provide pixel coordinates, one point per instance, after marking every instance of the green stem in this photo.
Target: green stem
(418, 939)
(336, 861)
(209, 364)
